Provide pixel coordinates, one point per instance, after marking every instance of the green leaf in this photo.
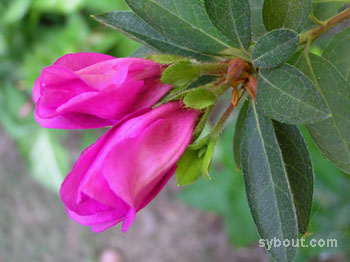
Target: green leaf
(189, 168)
(142, 52)
(180, 74)
(232, 18)
(44, 158)
(332, 135)
(201, 123)
(15, 11)
(131, 25)
(324, 9)
(291, 14)
(239, 133)
(338, 52)
(166, 59)
(299, 169)
(257, 24)
(287, 95)
(274, 48)
(200, 98)
(183, 21)
(268, 190)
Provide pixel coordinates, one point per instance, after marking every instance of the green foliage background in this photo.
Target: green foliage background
(34, 33)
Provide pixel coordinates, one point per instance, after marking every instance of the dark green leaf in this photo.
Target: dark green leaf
(287, 95)
(291, 14)
(199, 98)
(324, 9)
(268, 191)
(185, 22)
(274, 48)
(332, 135)
(239, 133)
(257, 24)
(299, 169)
(232, 18)
(338, 52)
(131, 25)
(180, 74)
(189, 168)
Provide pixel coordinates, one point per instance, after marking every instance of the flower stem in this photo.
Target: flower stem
(213, 68)
(219, 126)
(325, 27)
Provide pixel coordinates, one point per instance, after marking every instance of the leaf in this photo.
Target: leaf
(180, 74)
(291, 14)
(299, 169)
(239, 133)
(44, 161)
(324, 9)
(183, 21)
(287, 95)
(189, 168)
(142, 52)
(268, 191)
(199, 98)
(201, 123)
(232, 18)
(331, 135)
(274, 48)
(257, 24)
(131, 25)
(338, 52)
(166, 59)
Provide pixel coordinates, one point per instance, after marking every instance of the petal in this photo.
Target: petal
(135, 165)
(78, 61)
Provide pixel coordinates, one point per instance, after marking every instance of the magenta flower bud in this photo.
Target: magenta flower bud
(90, 90)
(127, 167)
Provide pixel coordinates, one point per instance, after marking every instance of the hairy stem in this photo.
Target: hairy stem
(219, 126)
(327, 25)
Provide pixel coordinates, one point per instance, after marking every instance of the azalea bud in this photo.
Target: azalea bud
(127, 167)
(90, 90)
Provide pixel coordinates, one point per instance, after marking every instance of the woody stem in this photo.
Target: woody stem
(314, 33)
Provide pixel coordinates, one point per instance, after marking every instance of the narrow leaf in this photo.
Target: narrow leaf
(287, 95)
(298, 165)
(338, 52)
(331, 135)
(239, 133)
(274, 48)
(183, 21)
(268, 191)
(131, 25)
(291, 14)
(232, 18)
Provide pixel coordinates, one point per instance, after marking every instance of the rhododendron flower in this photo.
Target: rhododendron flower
(127, 167)
(90, 90)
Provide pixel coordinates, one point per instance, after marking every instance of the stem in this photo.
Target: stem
(328, 25)
(219, 126)
(219, 90)
(213, 68)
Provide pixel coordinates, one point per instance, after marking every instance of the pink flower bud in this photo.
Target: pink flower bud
(127, 167)
(90, 90)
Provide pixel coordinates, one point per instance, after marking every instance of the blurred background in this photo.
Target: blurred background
(201, 222)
